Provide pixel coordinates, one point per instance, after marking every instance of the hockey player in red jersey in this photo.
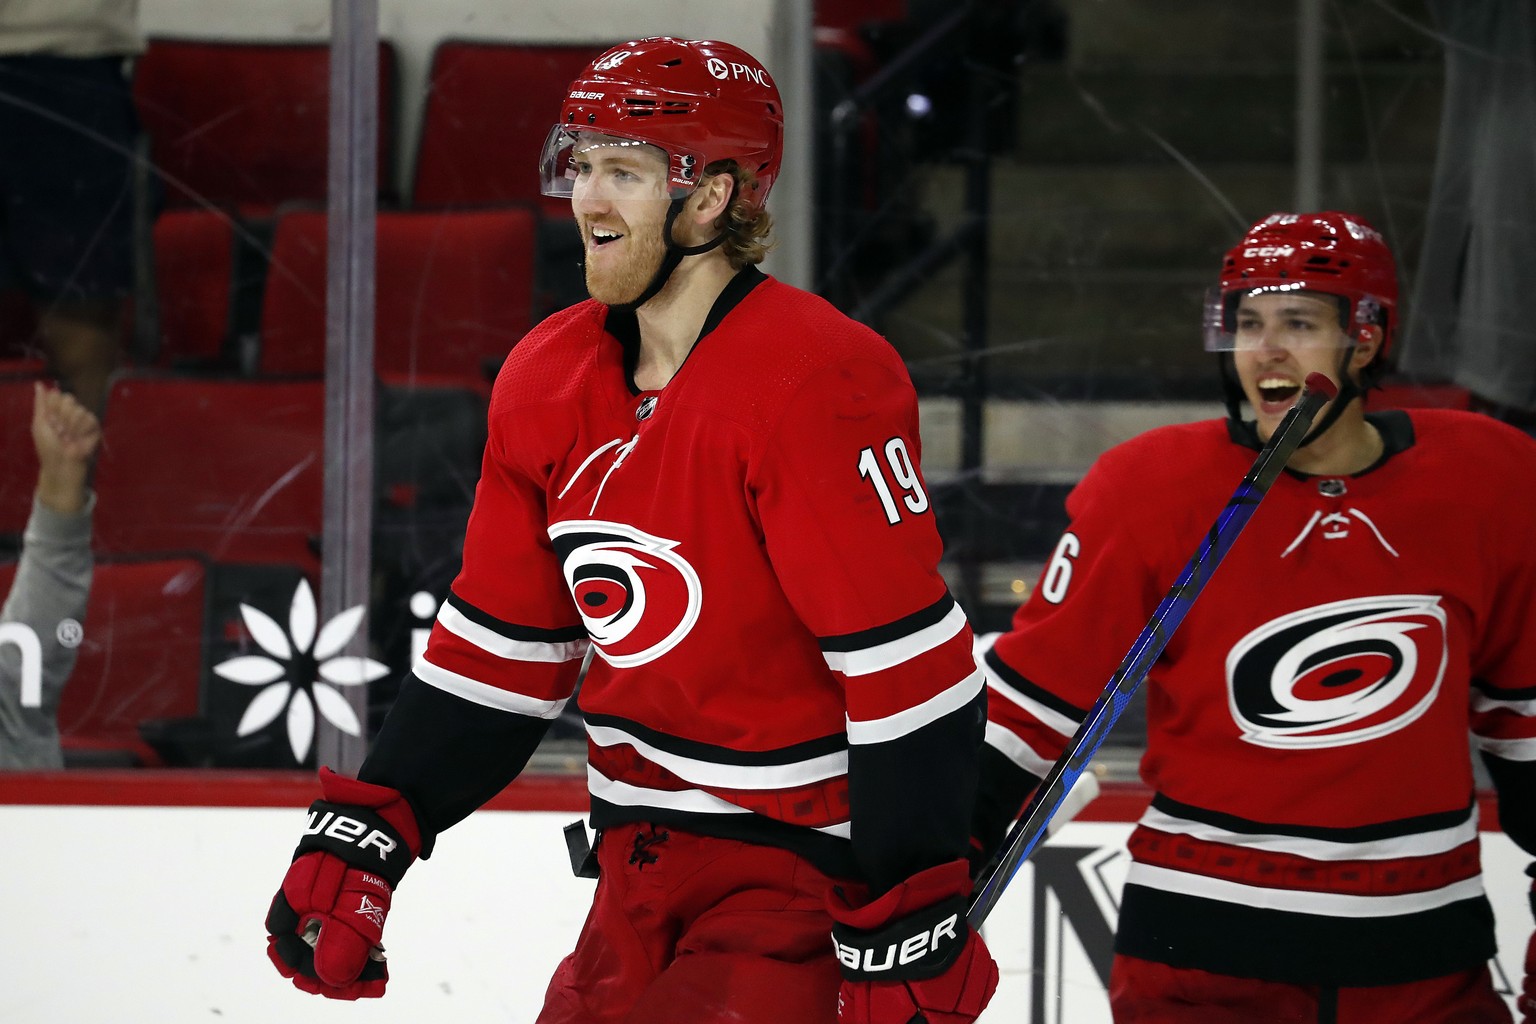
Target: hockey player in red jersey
(1311, 851)
(711, 478)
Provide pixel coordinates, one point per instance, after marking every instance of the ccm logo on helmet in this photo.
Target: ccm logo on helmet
(1269, 250)
(721, 69)
(349, 830)
(897, 954)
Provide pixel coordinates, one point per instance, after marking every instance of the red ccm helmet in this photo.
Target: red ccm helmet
(1332, 253)
(697, 100)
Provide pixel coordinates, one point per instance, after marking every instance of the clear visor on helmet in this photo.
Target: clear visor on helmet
(1278, 316)
(631, 165)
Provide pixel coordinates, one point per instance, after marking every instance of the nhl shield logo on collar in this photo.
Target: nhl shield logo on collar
(646, 407)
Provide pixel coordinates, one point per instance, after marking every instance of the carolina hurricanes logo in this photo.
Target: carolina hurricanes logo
(1338, 673)
(637, 596)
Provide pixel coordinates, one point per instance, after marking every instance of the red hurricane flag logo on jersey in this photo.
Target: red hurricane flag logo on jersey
(1338, 673)
(637, 596)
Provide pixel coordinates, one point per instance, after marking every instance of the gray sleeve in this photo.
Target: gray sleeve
(53, 581)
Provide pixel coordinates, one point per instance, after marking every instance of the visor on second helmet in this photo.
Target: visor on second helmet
(1225, 329)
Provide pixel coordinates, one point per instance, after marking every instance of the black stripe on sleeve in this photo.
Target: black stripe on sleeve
(513, 631)
(1032, 690)
(904, 626)
(1492, 692)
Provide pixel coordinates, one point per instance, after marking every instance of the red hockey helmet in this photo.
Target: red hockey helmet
(1332, 253)
(698, 101)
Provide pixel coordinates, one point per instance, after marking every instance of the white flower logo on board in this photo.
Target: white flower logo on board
(273, 671)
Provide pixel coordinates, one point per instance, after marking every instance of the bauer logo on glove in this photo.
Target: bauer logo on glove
(349, 830)
(914, 948)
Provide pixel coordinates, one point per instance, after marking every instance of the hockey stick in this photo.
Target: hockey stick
(1047, 798)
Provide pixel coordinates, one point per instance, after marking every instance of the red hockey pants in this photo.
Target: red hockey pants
(1142, 992)
(688, 928)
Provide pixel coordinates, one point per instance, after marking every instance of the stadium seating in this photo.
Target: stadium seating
(488, 109)
(194, 278)
(140, 658)
(246, 125)
(230, 469)
(453, 293)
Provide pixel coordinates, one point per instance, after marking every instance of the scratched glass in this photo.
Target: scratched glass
(1030, 206)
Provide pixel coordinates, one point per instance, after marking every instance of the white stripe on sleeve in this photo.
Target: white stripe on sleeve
(484, 694)
(880, 730)
(894, 652)
(1013, 747)
(461, 626)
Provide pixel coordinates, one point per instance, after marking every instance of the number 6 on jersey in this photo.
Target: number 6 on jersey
(902, 471)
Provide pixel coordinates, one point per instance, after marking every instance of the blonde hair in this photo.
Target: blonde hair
(746, 226)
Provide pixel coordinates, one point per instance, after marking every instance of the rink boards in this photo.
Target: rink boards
(125, 900)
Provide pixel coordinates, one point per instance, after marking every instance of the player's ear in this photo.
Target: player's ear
(1367, 344)
(712, 198)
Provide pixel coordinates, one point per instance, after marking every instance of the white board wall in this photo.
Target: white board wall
(155, 914)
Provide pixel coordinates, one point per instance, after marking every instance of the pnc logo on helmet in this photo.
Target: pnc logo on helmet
(638, 597)
(1338, 673)
(733, 69)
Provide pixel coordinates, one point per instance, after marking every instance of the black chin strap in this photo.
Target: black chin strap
(1232, 395)
(1348, 392)
(672, 259)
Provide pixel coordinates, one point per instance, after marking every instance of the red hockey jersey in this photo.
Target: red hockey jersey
(752, 554)
(1308, 724)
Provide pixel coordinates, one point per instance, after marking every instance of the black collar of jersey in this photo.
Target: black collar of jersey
(1394, 426)
(624, 327)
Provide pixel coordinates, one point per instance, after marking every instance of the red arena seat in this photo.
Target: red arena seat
(453, 294)
(140, 657)
(489, 107)
(246, 124)
(194, 275)
(230, 469)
